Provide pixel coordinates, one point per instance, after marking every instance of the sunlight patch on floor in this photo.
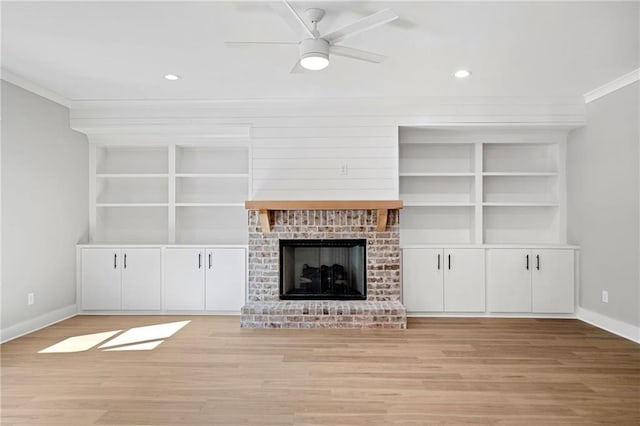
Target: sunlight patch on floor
(147, 346)
(143, 334)
(135, 339)
(79, 343)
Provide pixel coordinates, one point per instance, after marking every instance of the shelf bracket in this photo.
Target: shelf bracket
(382, 219)
(265, 223)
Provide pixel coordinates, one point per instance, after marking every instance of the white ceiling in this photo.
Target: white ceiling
(121, 50)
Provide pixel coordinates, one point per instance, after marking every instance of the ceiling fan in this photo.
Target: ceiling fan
(315, 49)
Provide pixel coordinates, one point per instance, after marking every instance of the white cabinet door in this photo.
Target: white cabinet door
(141, 279)
(464, 280)
(225, 282)
(184, 279)
(553, 282)
(509, 280)
(422, 280)
(101, 287)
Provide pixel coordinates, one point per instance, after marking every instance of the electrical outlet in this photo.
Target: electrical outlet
(31, 299)
(605, 296)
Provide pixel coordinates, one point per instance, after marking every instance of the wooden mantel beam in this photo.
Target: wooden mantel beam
(324, 205)
(265, 207)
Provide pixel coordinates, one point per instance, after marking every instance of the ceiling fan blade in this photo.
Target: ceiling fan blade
(297, 68)
(350, 52)
(364, 24)
(291, 17)
(259, 43)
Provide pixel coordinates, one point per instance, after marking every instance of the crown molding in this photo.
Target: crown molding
(612, 86)
(34, 88)
(142, 116)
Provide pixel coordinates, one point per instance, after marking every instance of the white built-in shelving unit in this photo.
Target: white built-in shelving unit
(169, 194)
(480, 186)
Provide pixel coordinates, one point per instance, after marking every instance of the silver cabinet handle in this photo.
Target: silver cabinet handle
(438, 262)
(538, 262)
(125, 261)
(210, 259)
(115, 260)
(449, 261)
(199, 260)
(527, 262)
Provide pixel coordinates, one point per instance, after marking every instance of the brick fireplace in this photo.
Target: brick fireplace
(267, 227)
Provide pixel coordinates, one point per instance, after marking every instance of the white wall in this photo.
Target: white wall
(330, 163)
(603, 204)
(44, 208)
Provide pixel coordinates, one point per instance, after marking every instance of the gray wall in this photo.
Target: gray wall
(603, 195)
(45, 177)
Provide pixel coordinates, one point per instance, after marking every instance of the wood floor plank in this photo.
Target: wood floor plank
(438, 371)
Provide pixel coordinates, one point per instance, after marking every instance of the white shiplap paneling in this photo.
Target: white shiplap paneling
(325, 163)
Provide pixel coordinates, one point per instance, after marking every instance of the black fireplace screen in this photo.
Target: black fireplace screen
(323, 269)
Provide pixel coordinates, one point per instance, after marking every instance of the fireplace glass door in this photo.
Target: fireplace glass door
(323, 270)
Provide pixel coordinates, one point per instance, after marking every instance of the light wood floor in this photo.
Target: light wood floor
(439, 371)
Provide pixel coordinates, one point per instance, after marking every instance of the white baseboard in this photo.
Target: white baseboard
(622, 329)
(42, 321)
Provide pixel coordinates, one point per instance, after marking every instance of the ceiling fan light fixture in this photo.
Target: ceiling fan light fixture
(314, 54)
(314, 61)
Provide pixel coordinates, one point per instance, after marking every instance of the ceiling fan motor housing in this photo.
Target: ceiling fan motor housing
(314, 47)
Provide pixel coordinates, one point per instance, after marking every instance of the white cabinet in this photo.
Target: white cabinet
(141, 278)
(225, 279)
(530, 280)
(184, 279)
(114, 279)
(422, 274)
(464, 280)
(509, 280)
(199, 279)
(553, 282)
(437, 280)
(101, 287)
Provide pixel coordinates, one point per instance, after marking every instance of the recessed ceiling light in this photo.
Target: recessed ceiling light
(462, 73)
(172, 77)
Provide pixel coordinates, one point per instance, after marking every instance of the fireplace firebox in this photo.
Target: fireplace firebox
(323, 269)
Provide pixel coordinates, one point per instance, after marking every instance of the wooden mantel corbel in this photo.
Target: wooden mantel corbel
(265, 208)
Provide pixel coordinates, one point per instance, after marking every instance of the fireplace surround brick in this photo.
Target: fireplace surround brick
(382, 308)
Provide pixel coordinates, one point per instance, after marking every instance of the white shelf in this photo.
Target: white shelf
(212, 160)
(206, 224)
(437, 190)
(171, 193)
(523, 204)
(131, 224)
(443, 174)
(437, 225)
(482, 186)
(519, 224)
(520, 190)
(102, 205)
(426, 158)
(208, 190)
(419, 204)
(131, 160)
(127, 191)
(520, 174)
(131, 175)
(214, 175)
(520, 158)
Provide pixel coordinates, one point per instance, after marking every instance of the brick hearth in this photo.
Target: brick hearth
(382, 308)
